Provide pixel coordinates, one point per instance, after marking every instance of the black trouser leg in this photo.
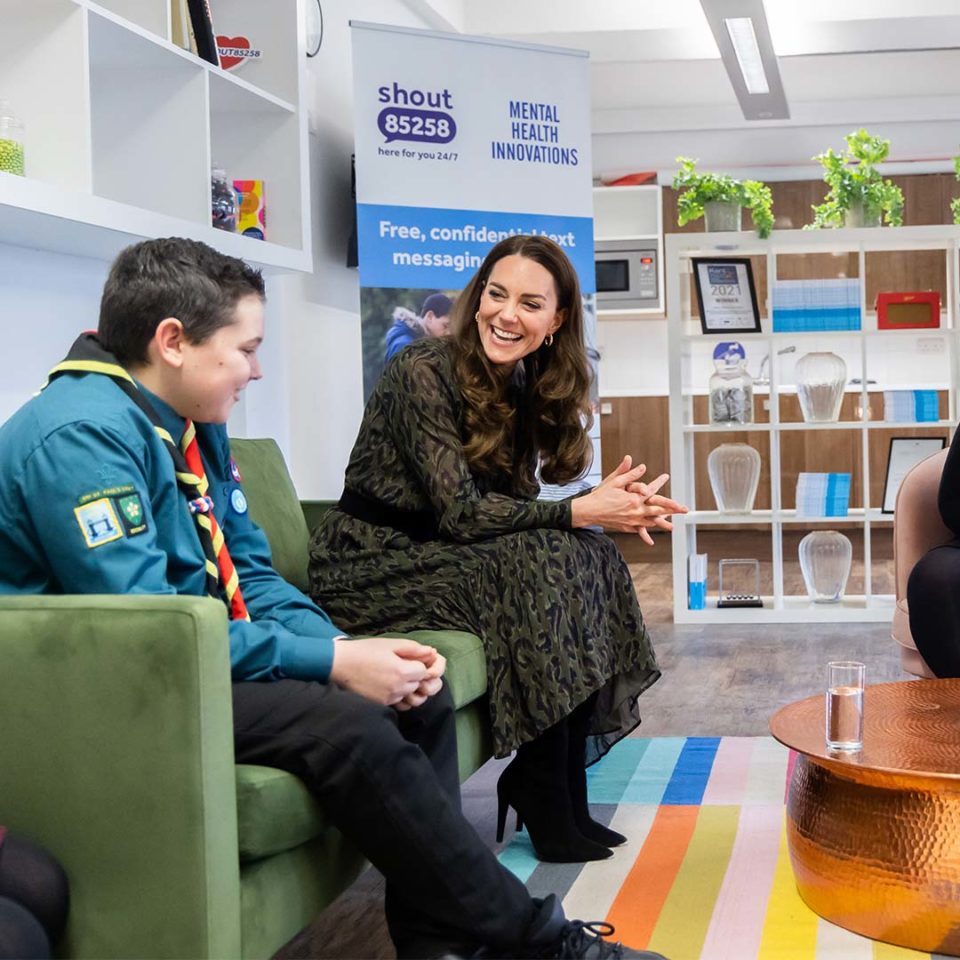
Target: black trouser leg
(432, 727)
(21, 935)
(383, 793)
(33, 878)
(933, 599)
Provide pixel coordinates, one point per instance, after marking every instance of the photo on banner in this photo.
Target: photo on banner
(460, 142)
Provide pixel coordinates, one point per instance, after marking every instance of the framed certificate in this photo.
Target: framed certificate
(726, 295)
(906, 452)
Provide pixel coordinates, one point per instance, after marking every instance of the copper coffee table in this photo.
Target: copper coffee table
(874, 836)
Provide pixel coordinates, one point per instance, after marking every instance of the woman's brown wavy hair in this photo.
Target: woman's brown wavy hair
(550, 421)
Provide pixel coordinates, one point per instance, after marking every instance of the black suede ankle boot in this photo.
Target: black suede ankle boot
(577, 739)
(535, 785)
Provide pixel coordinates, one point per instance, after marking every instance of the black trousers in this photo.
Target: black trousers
(933, 599)
(34, 900)
(389, 782)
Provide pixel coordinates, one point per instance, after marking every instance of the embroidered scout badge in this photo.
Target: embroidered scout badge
(238, 501)
(235, 471)
(98, 522)
(131, 509)
(126, 511)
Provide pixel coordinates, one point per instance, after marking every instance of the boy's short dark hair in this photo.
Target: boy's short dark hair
(439, 303)
(171, 277)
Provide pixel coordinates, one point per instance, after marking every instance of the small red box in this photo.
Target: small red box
(908, 311)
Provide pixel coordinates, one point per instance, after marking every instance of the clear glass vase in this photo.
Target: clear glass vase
(734, 471)
(825, 558)
(860, 214)
(722, 215)
(821, 377)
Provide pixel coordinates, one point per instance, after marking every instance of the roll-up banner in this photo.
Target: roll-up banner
(460, 142)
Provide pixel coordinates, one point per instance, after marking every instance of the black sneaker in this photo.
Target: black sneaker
(587, 941)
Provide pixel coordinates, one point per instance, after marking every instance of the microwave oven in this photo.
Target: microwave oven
(627, 275)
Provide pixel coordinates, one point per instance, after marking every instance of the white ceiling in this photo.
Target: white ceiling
(659, 88)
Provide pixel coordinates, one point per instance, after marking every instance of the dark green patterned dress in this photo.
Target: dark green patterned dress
(555, 607)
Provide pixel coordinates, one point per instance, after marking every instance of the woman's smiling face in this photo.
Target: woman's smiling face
(518, 308)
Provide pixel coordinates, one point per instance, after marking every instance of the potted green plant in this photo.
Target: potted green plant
(858, 194)
(955, 203)
(720, 199)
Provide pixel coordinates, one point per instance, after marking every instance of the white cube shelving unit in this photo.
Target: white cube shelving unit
(633, 214)
(122, 127)
(866, 352)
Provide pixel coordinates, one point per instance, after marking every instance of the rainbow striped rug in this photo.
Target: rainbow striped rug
(705, 874)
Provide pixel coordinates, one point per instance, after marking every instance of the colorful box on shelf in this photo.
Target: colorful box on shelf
(915, 310)
(909, 406)
(252, 213)
(801, 305)
(823, 494)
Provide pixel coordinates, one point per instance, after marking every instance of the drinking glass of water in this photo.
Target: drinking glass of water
(844, 705)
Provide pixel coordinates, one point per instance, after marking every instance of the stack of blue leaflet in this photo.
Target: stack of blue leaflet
(802, 305)
(823, 494)
(909, 406)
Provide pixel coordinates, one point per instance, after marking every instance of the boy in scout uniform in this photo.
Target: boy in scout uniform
(117, 478)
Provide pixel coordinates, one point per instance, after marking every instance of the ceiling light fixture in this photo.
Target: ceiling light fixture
(740, 30)
(744, 40)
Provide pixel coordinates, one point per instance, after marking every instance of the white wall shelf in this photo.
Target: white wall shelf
(121, 132)
(873, 361)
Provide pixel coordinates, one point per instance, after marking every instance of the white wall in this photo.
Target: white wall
(46, 301)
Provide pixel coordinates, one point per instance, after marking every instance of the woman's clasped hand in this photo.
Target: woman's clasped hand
(624, 503)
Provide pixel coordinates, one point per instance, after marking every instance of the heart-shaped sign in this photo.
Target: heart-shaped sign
(231, 51)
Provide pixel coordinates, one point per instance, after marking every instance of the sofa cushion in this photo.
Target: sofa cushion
(275, 812)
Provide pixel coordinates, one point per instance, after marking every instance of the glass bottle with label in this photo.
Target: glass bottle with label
(731, 387)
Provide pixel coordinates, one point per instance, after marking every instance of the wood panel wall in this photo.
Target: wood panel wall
(926, 201)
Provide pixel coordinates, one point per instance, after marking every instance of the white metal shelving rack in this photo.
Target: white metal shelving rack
(685, 339)
(123, 126)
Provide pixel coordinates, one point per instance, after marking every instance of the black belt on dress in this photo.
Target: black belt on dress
(418, 525)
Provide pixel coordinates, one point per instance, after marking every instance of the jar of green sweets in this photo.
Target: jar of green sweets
(11, 141)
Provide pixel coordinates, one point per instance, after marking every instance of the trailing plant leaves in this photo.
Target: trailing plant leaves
(700, 188)
(853, 179)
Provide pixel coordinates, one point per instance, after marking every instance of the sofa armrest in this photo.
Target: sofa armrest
(116, 753)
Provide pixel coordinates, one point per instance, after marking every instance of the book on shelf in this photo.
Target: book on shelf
(181, 29)
(201, 19)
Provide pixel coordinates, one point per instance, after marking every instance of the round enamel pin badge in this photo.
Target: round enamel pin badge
(238, 501)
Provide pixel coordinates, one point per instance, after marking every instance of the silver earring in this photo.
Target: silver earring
(548, 340)
(476, 316)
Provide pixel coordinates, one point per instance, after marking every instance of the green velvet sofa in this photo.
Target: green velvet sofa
(116, 753)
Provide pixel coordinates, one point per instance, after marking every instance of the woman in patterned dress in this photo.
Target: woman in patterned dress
(438, 528)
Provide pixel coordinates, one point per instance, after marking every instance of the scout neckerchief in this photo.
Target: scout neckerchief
(87, 355)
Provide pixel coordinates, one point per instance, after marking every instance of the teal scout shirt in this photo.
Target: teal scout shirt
(89, 504)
